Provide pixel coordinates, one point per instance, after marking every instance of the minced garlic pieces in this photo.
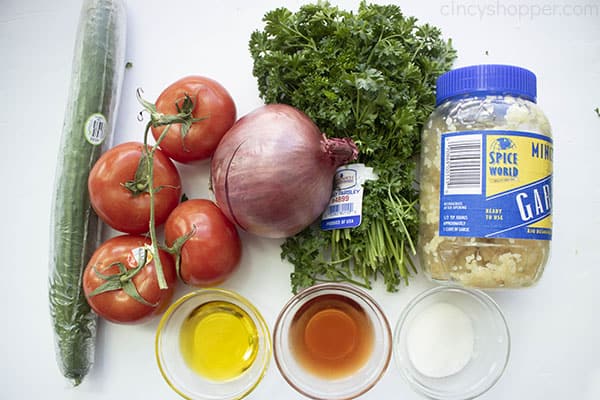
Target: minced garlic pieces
(475, 262)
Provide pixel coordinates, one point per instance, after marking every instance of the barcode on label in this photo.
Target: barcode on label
(341, 208)
(462, 164)
(95, 129)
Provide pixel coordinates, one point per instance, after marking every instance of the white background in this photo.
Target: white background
(555, 326)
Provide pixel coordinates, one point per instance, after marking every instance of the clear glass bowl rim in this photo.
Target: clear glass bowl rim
(222, 294)
(472, 292)
(328, 288)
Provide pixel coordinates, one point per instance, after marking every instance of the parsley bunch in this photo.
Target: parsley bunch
(368, 75)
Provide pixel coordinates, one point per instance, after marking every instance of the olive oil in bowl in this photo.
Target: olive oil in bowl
(213, 344)
(219, 340)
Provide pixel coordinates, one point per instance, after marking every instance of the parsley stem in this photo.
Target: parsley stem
(370, 75)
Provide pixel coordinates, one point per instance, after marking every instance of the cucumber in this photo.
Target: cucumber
(97, 74)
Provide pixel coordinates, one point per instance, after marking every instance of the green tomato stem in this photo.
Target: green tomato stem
(185, 118)
(160, 276)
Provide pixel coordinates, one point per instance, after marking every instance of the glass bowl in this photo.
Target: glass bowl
(332, 341)
(208, 308)
(452, 343)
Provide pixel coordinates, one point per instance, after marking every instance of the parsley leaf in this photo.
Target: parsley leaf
(369, 75)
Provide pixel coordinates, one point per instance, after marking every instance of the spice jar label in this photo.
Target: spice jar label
(496, 184)
(345, 206)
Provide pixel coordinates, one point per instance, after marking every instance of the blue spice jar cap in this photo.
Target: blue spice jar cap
(486, 79)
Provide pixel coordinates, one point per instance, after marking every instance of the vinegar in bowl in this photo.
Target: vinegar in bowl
(331, 336)
(332, 342)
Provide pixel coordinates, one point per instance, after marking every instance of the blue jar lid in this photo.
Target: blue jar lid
(487, 79)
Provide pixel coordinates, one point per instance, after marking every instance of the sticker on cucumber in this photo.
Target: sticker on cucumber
(95, 129)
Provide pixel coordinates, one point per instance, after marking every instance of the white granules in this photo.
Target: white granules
(440, 340)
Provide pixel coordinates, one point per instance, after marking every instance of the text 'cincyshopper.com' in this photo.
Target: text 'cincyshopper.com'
(498, 8)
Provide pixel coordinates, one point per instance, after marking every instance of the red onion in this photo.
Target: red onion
(272, 173)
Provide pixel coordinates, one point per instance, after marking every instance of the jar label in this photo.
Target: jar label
(345, 206)
(496, 184)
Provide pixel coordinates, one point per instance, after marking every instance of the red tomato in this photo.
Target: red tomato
(213, 252)
(211, 101)
(116, 305)
(118, 206)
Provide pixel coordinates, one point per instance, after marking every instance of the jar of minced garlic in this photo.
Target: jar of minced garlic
(486, 180)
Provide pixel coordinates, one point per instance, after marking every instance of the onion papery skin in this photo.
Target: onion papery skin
(272, 173)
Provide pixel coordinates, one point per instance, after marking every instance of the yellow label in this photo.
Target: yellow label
(545, 223)
(515, 161)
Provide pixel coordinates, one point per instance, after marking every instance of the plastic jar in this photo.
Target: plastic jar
(486, 180)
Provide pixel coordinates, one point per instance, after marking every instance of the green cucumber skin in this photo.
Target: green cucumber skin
(97, 74)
